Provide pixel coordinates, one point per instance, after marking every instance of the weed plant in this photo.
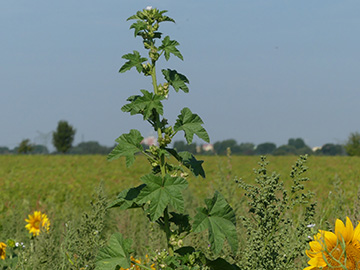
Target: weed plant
(276, 227)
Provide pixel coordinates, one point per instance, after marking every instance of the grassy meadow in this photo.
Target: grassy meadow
(64, 186)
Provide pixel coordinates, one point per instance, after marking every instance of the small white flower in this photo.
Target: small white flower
(148, 8)
(310, 225)
(17, 244)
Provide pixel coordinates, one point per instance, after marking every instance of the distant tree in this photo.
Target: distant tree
(352, 146)
(183, 146)
(265, 148)
(297, 143)
(25, 147)
(330, 149)
(179, 145)
(90, 148)
(4, 150)
(39, 149)
(63, 137)
(220, 147)
(285, 150)
(246, 149)
(306, 150)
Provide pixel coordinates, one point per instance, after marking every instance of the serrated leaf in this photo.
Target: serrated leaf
(191, 124)
(161, 192)
(126, 198)
(162, 18)
(144, 105)
(129, 107)
(138, 16)
(187, 250)
(219, 218)
(194, 165)
(169, 46)
(176, 80)
(182, 221)
(115, 254)
(189, 161)
(138, 27)
(128, 146)
(135, 60)
(221, 264)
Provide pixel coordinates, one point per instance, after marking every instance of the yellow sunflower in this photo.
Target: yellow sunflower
(136, 267)
(2, 250)
(36, 222)
(336, 250)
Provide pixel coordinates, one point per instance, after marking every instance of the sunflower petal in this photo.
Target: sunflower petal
(349, 230)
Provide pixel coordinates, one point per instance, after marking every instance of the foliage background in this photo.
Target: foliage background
(62, 186)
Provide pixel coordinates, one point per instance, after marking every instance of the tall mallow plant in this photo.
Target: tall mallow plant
(160, 196)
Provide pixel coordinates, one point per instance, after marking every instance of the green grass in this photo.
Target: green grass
(62, 186)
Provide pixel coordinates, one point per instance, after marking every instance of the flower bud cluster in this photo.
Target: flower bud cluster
(164, 141)
(160, 258)
(154, 150)
(176, 241)
(163, 89)
(147, 69)
(154, 55)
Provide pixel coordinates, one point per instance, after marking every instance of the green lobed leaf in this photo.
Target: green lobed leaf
(128, 146)
(138, 27)
(189, 161)
(219, 218)
(191, 124)
(169, 46)
(135, 60)
(194, 165)
(115, 254)
(144, 105)
(176, 80)
(221, 264)
(138, 16)
(161, 192)
(126, 198)
(162, 18)
(182, 221)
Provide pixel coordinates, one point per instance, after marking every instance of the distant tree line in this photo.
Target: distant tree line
(62, 140)
(64, 134)
(295, 146)
(83, 148)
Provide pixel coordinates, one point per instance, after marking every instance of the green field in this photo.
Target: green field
(63, 187)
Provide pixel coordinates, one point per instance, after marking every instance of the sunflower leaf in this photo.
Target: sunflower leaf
(115, 254)
(161, 192)
(219, 218)
(128, 146)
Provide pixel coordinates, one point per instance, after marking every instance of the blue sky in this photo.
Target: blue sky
(259, 70)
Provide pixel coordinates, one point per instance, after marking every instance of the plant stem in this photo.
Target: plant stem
(167, 231)
(162, 166)
(153, 77)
